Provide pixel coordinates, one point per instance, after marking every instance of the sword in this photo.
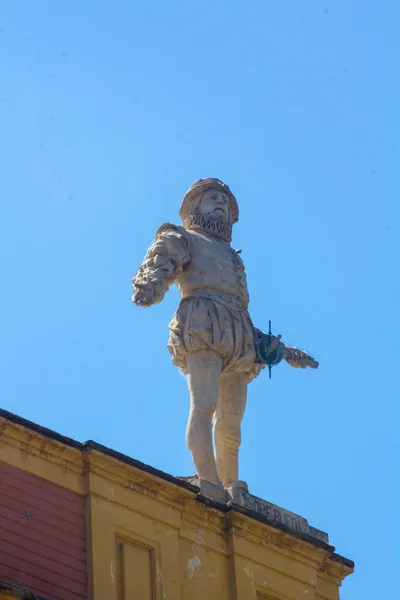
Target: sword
(272, 351)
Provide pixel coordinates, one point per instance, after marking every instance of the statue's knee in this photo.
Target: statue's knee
(229, 433)
(199, 422)
(203, 398)
(204, 413)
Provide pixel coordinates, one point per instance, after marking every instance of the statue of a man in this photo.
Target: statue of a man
(212, 337)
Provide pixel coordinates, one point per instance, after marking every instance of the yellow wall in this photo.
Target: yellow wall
(151, 539)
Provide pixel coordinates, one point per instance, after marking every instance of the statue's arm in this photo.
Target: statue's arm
(166, 257)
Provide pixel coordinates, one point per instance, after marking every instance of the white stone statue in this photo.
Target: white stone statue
(212, 337)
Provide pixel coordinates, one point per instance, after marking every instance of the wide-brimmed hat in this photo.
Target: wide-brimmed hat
(202, 185)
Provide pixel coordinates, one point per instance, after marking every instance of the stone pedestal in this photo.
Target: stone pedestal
(238, 495)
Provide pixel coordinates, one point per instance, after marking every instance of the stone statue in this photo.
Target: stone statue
(212, 337)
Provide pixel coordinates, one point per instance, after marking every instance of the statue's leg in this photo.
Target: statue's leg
(228, 417)
(203, 374)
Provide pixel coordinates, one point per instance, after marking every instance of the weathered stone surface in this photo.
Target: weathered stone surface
(212, 491)
(212, 337)
(238, 493)
(280, 515)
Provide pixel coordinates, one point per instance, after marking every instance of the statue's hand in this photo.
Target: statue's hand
(143, 296)
(297, 362)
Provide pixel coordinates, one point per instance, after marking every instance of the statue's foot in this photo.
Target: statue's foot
(214, 491)
(236, 488)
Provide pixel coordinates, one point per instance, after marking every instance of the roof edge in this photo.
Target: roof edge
(5, 414)
(133, 462)
(119, 456)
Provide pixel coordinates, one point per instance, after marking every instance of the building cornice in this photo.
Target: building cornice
(91, 468)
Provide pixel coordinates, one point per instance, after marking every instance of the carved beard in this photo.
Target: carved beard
(215, 225)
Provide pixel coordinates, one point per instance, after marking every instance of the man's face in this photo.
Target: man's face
(216, 204)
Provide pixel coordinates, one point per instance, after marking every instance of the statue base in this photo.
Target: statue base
(238, 494)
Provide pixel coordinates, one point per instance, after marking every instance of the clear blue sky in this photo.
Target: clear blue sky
(109, 111)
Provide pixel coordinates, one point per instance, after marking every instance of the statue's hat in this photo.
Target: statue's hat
(202, 185)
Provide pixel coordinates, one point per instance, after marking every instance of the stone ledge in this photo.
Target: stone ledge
(279, 515)
(237, 498)
(238, 495)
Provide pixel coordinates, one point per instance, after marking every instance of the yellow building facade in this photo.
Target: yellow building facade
(151, 536)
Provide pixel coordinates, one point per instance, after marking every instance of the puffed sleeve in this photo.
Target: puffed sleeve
(166, 257)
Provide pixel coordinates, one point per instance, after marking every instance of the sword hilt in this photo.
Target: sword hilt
(273, 351)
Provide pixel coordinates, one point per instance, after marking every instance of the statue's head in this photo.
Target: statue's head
(209, 205)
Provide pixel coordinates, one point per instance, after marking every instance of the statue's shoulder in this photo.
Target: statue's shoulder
(171, 227)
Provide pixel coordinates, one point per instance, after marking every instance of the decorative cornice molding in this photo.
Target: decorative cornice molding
(32, 443)
(90, 460)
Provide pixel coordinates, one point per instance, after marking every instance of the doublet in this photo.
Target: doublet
(211, 280)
